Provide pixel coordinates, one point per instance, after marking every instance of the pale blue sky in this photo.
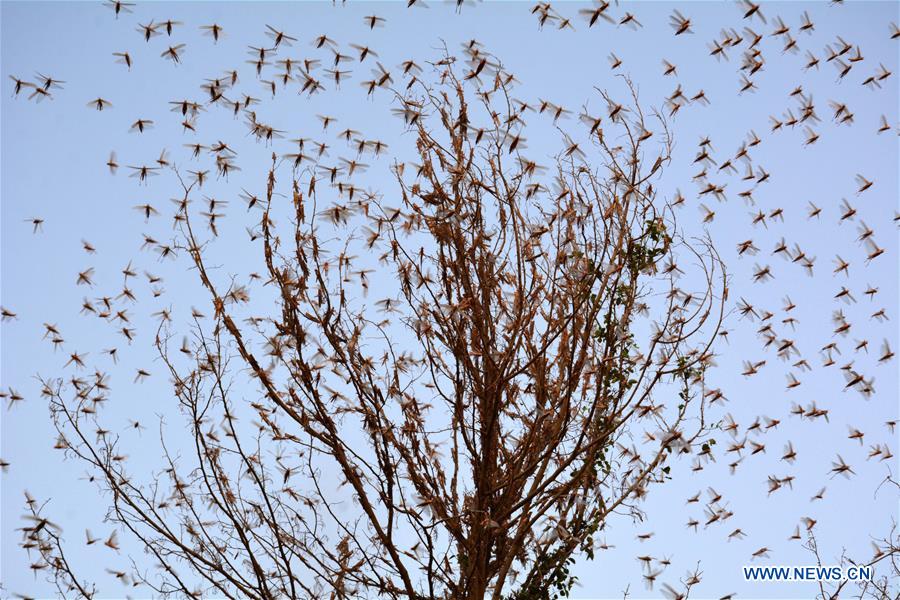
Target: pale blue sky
(53, 166)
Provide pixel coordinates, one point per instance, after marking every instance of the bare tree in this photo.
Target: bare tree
(533, 364)
(885, 551)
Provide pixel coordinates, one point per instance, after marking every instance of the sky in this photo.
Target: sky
(53, 167)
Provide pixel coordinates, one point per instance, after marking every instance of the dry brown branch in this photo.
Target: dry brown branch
(533, 364)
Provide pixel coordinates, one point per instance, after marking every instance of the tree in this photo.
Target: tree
(535, 364)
